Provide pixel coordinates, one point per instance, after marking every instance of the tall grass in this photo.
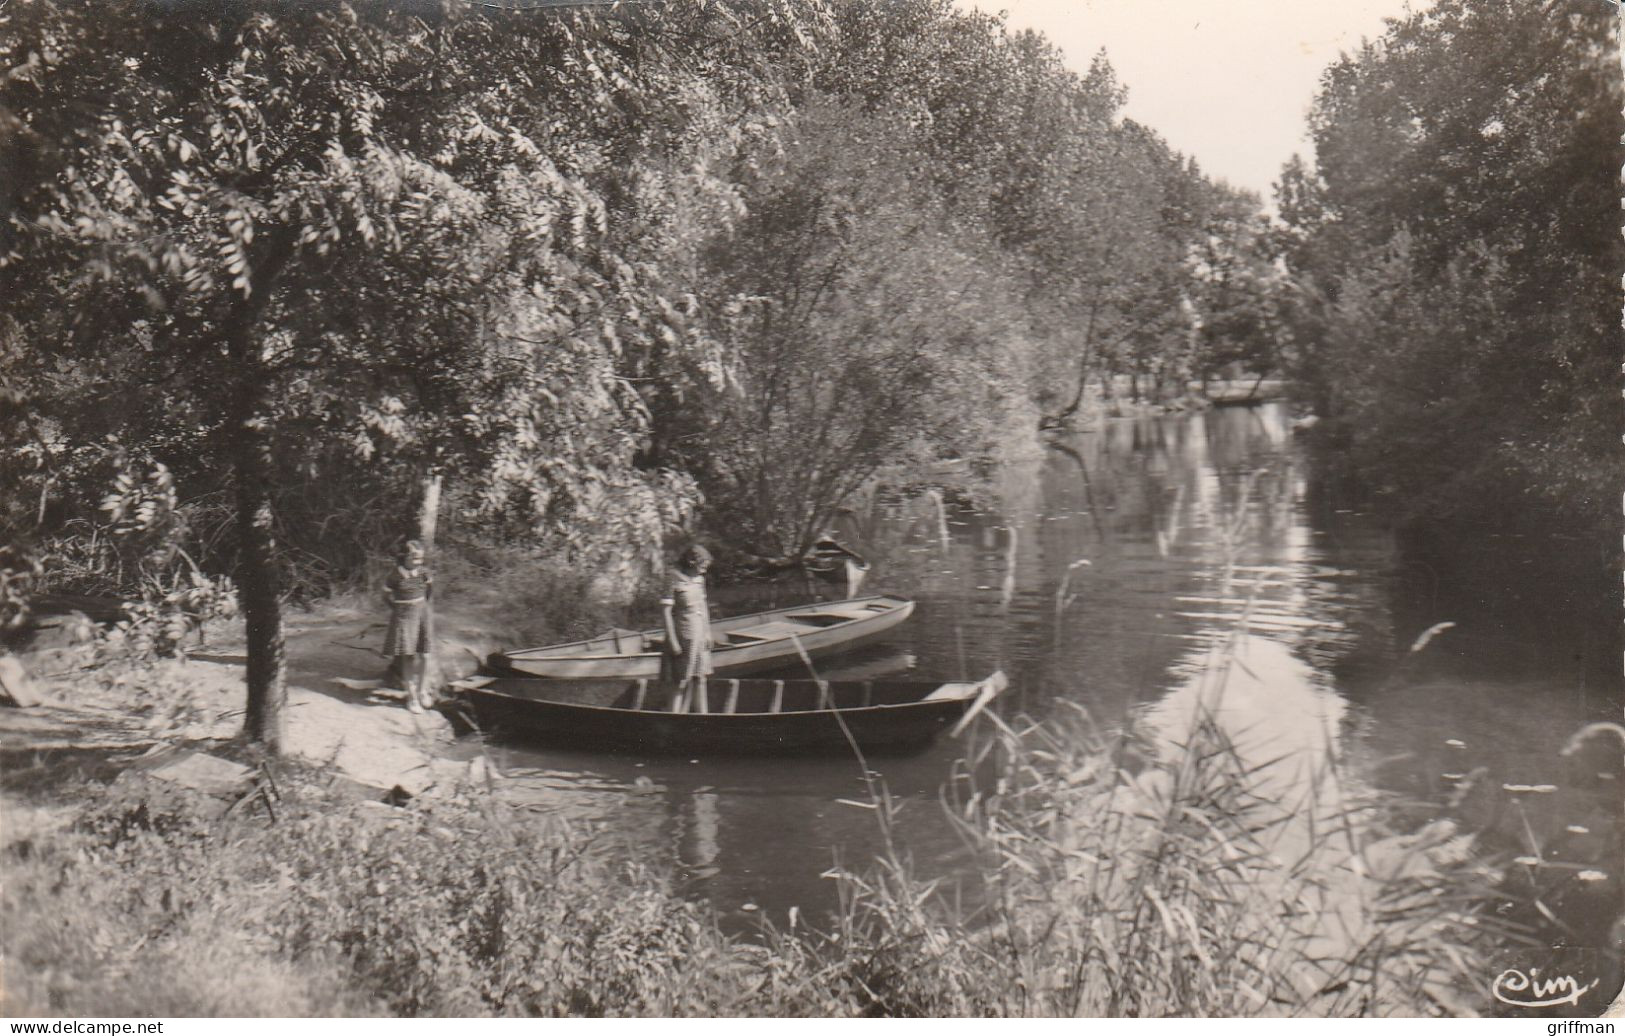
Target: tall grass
(1113, 883)
(155, 905)
(1116, 884)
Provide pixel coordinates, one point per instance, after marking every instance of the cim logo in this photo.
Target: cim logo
(1521, 989)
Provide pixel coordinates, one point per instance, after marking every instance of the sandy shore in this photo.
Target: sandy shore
(336, 720)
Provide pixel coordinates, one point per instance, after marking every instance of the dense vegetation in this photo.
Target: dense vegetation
(270, 268)
(1456, 256)
(279, 274)
(1178, 886)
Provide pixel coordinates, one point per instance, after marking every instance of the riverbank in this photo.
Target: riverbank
(1126, 400)
(195, 704)
(102, 693)
(134, 896)
(1137, 876)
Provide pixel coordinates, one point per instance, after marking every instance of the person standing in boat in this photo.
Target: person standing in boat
(408, 590)
(688, 625)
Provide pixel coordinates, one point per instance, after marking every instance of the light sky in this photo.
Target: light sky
(1228, 81)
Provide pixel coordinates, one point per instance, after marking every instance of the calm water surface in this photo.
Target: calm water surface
(1195, 528)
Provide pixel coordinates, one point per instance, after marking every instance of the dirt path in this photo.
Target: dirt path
(366, 736)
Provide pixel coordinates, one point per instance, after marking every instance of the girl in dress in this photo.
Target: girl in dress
(688, 623)
(408, 590)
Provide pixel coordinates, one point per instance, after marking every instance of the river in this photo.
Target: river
(1196, 529)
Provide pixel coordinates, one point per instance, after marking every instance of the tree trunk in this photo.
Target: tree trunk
(1084, 360)
(430, 677)
(429, 510)
(259, 588)
(259, 579)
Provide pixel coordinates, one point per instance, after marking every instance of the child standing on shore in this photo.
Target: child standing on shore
(408, 590)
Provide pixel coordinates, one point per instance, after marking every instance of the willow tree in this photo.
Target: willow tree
(869, 334)
(1095, 216)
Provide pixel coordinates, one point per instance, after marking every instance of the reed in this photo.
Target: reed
(1120, 883)
(1112, 881)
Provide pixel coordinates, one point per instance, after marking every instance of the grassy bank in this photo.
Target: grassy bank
(1113, 885)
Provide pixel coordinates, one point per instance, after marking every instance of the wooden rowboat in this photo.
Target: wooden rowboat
(830, 561)
(727, 716)
(738, 645)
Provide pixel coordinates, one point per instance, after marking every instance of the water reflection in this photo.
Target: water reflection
(1201, 536)
(1272, 709)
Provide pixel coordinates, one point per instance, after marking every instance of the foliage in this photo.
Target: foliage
(1453, 261)
(1238, 297)
(158, 625)
(276, 266)
(523, 279)
(426, 258)
(870, 333)
(18, 571)
(451, 910)
(1095, 216)
(1110, 887)
(327, 245)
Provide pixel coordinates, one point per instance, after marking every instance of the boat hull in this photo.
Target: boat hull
(736, 653)
(889, 724)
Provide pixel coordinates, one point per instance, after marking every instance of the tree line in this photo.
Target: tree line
(1454, 253)
(277, 273)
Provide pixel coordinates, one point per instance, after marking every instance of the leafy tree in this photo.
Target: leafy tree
(1454, 246)
(289, 243)
(295, 260)
(1237, 293)
(869, 332)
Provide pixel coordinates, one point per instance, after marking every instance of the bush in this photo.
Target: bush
(1113, 883)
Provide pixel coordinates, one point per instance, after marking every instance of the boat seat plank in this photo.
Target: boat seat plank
(823, 620)
(776, 630)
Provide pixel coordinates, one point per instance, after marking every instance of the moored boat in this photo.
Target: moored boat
(726, 715)
(835, 563)
(740, 644)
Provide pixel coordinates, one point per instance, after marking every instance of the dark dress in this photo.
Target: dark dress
(408, 611)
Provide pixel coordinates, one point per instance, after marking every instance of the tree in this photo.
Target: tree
(1236, 297)
(869, 331)
(1453, 245)
(290, 241)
